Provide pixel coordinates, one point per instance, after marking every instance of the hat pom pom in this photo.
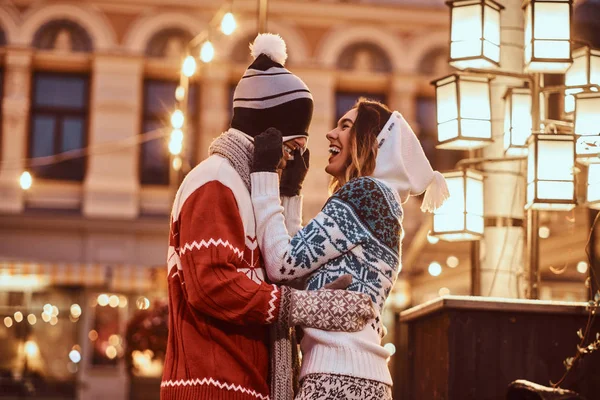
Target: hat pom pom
(271, 45)
(436, 194)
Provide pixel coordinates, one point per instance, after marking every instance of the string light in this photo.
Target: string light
(103, 299)
(207, 52)
(75, 356)
(25, 180)
(176, 142)
(122, 301)
(75, 310)
(177, 163)
(177, 119)
(31, 319)
(544, 232)
(143, 303)
(582, 267)
(435, 269)
(452, 261)
(179, 93)
(228, 24)
(444, 292)
(113, 301)
(18, 316)
(8, 322)
(189, 66)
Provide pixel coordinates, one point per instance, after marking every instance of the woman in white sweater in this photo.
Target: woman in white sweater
(376, 163)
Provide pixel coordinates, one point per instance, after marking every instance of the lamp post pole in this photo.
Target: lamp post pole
(533, 217)
(263, 6)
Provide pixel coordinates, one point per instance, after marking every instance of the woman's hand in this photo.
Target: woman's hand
(294, 173)
(268, 151)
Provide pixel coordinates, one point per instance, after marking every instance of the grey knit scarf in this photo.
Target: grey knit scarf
(285, 363)
(238, 149)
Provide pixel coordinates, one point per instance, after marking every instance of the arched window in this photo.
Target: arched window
(364, 57)
(168, 43)
(63, 35)
(435, 62)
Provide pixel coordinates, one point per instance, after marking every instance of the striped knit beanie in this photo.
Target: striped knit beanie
(270, 96)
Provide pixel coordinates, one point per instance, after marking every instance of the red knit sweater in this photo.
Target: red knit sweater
(219, 306)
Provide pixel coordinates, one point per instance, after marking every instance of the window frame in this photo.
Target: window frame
(60, 113)
(147, 116)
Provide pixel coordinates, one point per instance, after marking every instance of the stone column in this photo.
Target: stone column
(403, 97)
(315, 188)
(215, 114)
(15, 114)
(504, 188)
(112, 186)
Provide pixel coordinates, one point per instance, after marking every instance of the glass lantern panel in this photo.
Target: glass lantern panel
(528, 34)
(555, 161)
(553, 190)
(491, 26)
(587, 115)
(474, 196)
(474, 100)
(588, 146)
(521, 118)
(552, 49)
(449, 222)
(595, 68)
(552, 21)
(456, 202)
(475, 223)
(593, 184)
(476, 129)
(466, 31)
(531, 162)
(447, 107)
(507, 123)
(491, 51)
(577, 73)
(447, 130)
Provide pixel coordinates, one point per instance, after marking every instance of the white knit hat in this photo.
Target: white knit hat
(402, 164)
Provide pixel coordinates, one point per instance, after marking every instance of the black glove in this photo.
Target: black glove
(294, 173)
(268, 151)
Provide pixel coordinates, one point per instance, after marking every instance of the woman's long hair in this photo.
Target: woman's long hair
(371, 117)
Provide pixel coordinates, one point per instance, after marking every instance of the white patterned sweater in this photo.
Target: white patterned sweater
(358, 232)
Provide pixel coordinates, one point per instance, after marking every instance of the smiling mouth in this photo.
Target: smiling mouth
(334, 151)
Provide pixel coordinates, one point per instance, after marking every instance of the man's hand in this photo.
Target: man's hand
(331, 310)
(294, 173)
(268, 151)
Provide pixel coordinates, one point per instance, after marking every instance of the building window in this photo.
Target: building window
(344, 101)
(364, 57)
(168, 43)
(59, 123)
(159, 102)
(63, 35)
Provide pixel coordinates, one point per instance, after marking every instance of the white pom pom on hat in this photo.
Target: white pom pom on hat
(271, 45)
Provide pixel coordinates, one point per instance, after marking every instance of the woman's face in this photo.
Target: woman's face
(339, 145)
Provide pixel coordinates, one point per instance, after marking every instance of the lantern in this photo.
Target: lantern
(585, 71)
(587, 149)
(517, 121)
(461, 216)
(463, 111)
(474, 33)
(593, 187)
(587, 113)
(550, 177)
(547, 35)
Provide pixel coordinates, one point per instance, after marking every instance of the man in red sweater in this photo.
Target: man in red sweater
(220, 306)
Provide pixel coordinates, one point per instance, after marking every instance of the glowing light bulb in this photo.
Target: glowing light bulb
(18, 316)
(189, 66)
(179, 93)
(103, 299)
(228, 24)
(143, 303)
(74, 356)
(207, 52)
(176, 142)
(444, 292)
(544, 232)
(8, 322)
(435, 269)
(31, 348)
(452, 261)
(177, 119)
(582, 267)
(25, 180)
(177, 163)
(75, 310)
(113, 301)
(432, 239)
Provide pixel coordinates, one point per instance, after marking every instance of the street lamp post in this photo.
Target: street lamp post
(549, 146)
